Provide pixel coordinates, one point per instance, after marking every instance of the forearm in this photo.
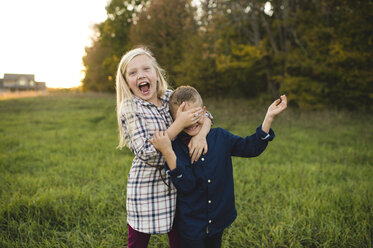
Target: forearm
(206, 127)
(266, 126)
(170, 157)
(175, 128)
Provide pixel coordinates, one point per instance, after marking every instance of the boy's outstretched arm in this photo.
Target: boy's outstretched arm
(274, 109)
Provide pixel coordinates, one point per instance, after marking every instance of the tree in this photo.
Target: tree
(164, 26)
(317, 52)
(112, 40)
(96, 77)
(333, 69)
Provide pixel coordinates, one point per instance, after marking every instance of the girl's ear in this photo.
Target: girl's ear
(204, 110)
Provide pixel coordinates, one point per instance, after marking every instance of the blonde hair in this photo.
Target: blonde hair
(124, 93)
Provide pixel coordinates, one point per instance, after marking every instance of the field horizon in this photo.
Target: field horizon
(63, 182)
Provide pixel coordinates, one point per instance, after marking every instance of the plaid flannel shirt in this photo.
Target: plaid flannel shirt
(151, 204)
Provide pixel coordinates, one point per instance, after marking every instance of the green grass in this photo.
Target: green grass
(63, 183)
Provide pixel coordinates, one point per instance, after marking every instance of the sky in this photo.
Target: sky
(47, 38)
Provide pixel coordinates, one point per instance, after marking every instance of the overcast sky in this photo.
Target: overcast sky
(47, 38)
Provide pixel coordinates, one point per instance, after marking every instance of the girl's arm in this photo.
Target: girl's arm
(138, 130)
(198, 143)
(137, 133)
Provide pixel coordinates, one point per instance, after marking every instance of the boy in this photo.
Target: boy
(205, 194)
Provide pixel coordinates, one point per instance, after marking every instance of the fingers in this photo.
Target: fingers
(279, 103)
(276, 102)
(154, 138)
(284, 99)
(196, 155)
(181, 107)
(283, 104)
(197, 114)
(190, 148)
(197, 111)
(191, 153)
(158, 135)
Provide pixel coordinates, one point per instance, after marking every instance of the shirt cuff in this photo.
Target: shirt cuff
(209, 115)
(263, 135)
(175, 173)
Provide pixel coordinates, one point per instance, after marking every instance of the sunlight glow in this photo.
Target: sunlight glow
(268, 9)
(47, 38)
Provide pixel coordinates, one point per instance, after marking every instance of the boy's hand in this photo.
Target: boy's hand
(188, 117)
(274, 109)
(161, 141)
(277, 106)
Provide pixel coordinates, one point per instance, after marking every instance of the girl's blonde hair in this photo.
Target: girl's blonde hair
(124, 93)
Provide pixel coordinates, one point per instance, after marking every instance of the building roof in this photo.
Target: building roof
(10, 76)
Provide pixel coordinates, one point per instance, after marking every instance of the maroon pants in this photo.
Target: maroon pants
(138, 239)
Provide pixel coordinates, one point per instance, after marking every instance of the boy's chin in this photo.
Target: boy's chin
(193, 132)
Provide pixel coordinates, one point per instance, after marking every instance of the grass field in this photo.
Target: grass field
(63, 183)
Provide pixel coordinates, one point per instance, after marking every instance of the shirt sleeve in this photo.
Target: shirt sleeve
(250, 146)
(209, 115)
(137, 137)
(182, 176)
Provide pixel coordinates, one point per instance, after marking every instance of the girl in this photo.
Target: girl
(143, 108)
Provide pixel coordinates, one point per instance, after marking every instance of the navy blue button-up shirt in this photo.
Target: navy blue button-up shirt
(205, 192)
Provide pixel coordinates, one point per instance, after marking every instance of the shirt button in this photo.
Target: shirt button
(210, 221)
(203, 159)
(209, 201)
(209, 181)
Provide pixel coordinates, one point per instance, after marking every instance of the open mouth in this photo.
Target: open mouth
(144, 87)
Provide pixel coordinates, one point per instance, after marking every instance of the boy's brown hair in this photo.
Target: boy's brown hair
(183, 94)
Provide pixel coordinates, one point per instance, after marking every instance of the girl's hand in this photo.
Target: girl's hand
(277, 107)
(196, 146)
(188, 117)
(161, 141)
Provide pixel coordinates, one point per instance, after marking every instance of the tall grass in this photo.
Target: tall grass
(63, 183)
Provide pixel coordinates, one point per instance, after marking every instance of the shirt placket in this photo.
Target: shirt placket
(209, 180)
(163, 115)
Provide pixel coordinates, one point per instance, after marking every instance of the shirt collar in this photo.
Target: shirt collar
(184, 138)
(163, 98)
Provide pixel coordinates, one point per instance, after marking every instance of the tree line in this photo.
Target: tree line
(319, 53)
